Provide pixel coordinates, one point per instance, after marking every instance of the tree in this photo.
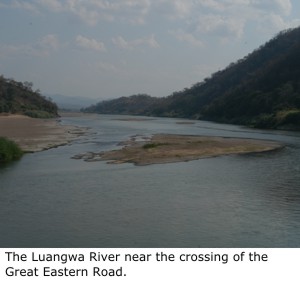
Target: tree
(28, 85)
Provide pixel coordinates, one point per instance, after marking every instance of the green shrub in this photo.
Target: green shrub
(38, 114)
(290, 116)
(153, 145)
(263, 121)
(9, 150)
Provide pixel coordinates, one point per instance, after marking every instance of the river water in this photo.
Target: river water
(48, 199)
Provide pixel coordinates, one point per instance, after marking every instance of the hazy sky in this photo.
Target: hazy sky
(103, 49)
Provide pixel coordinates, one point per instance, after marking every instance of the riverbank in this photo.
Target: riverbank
(34, 135)
(166, 148)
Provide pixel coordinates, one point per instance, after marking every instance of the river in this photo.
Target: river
(48, 199)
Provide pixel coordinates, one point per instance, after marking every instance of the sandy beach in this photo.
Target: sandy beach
(166, 148)
(34, 135)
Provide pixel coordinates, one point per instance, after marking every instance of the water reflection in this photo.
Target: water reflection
(49, 199)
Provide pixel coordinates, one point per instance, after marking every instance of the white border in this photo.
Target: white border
(282, 265)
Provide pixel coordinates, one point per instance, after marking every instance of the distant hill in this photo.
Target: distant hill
(71, 102)
(138, 104)
(18, 97)
(260, 90)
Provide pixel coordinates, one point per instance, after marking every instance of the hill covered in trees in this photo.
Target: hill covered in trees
(260, 90)
(19, 98)
(138, 104)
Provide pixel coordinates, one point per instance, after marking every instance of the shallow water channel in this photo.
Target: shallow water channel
(48, 199)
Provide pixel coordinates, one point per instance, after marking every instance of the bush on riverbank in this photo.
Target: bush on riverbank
(288, 119)
(9, 150)
(39, 114)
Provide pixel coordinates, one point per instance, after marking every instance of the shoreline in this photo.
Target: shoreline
(34, 134)
(168, 148)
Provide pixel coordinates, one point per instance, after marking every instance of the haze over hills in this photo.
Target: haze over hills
(260, 90)
(71, 102)
(20, 98)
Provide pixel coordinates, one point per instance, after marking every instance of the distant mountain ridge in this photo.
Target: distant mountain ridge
(260, 90)
(20, 98)
(71, 102)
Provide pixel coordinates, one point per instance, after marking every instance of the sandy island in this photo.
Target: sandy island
(166, 148)
(34, 135)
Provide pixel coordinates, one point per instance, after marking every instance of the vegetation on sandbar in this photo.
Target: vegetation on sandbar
(153, 145)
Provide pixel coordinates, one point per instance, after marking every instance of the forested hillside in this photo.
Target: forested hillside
(18, 97)
(138, 104)
(260, 90)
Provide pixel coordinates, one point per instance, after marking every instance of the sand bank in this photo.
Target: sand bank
(164, 148)
(34, 135)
